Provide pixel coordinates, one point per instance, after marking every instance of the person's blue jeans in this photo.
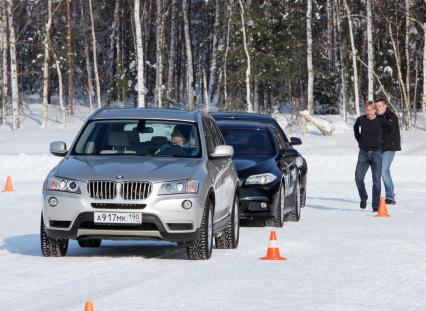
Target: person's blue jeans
(368, 159)
(387, 159)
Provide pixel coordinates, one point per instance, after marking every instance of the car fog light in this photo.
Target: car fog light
(263, 205)
(186, 204)
(53, 201)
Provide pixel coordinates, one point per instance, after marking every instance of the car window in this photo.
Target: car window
(208, 136)
(217, 136)
(139, 137)
(278, 138)
(248, 141)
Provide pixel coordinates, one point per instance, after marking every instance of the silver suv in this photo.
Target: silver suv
(142, 174)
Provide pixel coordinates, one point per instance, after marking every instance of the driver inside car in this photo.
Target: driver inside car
(179, 142)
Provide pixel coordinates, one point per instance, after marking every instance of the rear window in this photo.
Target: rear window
(248, 141)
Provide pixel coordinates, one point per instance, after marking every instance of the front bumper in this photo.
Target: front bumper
(259, 201)
(162, 217)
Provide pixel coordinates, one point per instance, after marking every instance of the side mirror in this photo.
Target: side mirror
(223, 151)
(294, 141)
(58, 148)
(289, 153)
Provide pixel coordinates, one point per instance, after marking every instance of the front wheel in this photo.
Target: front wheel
(230, 237)
(201, 249)
(294, 215)
(51, 247)
(278, 220)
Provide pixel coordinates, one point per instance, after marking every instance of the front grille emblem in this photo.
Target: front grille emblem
(119, 177)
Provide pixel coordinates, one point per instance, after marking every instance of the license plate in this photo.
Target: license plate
(118, 218)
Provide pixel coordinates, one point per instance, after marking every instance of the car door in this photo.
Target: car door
(215, 167)
(286, 165)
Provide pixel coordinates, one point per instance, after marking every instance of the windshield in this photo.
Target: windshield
(248, 141)
(140, 138)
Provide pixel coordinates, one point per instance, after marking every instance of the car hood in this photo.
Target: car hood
(151, 169)
(250, 165)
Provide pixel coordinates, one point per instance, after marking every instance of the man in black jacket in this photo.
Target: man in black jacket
(369, 130)
(391, 144)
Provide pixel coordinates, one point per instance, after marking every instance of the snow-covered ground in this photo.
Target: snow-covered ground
(339, 257)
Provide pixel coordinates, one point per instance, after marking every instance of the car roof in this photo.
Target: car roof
(241, 125)
(241, 115)
(145, 113)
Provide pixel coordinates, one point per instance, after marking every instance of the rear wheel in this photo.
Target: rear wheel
(201, 249)
(51, 247)
(90, 243)
(230, 237)
(294, 215)
(278, 220)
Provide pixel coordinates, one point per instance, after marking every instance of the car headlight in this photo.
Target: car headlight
(62, 184)
(178, 187)
(261, 179)
(299, 162)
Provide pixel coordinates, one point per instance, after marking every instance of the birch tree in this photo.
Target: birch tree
(225, 65)
(159, 55)
(370, 51)
(342, 66)
(140, 58)
(46, 66)
(86, 55)
(13, 67)
(213, 62)
(248, 69)
(309, 58)
(172, 53)
(95, 60)
(4, 49)
(70, 67)
(329, 28)
(354, 58)
(61, 90)
(407, 59)
(189, 62)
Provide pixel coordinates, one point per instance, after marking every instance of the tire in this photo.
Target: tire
(201, 249)
(294, 215)
(230, 237)
(90, 243)
(278, 220)
(302, 198)
(51, 247)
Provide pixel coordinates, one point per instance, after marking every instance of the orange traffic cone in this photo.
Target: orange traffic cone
(9, 187)
(273, 252)
(383, 211)
(88, 306)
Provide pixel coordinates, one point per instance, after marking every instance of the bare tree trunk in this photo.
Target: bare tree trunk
(61, 90)
(354, 57)
(172, 54)
(407, 59)
(416, 79)
(95, 60)
(112, 43)
(86, 55)
(309, 58)
(118, 57)
(424, 74)
(329, 28)
(159, 55)
(189, 63)
(225, 65)
(140, 58)
(370, 51)
(70, 68)
(213, 66)
(205, 91)
(341, 62)
(46, 66)
(400, 78)
(13, 67)
(248, 70)
(4, 76)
